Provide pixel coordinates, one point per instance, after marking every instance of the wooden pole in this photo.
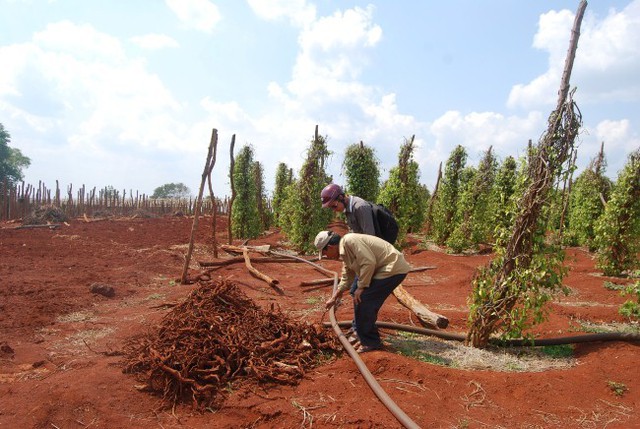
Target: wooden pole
(233, 188)
(194, 227)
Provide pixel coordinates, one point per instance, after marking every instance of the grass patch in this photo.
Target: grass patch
(618, 388)
(455, 354)
(559, 351)
(613, 286)
(597, 328)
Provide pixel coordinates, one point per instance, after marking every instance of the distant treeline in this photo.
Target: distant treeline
(18, 202)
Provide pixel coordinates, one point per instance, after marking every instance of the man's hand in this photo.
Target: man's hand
(357, 294)
(332, 301)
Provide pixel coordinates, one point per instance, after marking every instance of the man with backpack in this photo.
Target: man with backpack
(362, 216)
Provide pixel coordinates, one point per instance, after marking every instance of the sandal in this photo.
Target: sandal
(353, 339)
(365, 349)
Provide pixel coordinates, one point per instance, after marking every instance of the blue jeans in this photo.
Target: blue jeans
(371, 300)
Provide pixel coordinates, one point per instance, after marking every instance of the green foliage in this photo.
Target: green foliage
(11, 160)
(618, 388)
(471, 221)
(509, 295)
(631, 308)
(261, 198)
(530, 287)
(284, 178)
(503, 195)
(444, 207)
(617, 231)
(559, 351)
(586, 205)
(402, 193)
(302, 215)
(361, 169)
(171, 190)
(245, 218)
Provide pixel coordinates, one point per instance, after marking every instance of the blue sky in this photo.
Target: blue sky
(125, 93)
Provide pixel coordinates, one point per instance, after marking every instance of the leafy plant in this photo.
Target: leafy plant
(631, 308)
(618, 229)
(510, 294)
(618, 389)
(361, 169)
(402, 193)
(444, 207)
(244, 212)
(303, 215)
(587, 203)
(284, 178)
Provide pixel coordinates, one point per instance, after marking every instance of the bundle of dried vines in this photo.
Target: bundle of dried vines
(218, 336)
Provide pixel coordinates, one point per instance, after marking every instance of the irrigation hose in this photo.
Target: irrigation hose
(586, 338)
(397, 412)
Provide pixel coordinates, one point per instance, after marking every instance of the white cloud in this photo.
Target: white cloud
(299, 12)
(477, 131)
(607, 61)
(201, 15)
(155, 41)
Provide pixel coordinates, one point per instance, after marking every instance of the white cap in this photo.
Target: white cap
(321, 241)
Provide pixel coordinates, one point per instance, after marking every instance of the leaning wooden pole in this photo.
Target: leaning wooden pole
(208, 166)
(554, 148)
(233, 189)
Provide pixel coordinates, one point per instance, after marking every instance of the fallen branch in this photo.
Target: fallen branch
(50, 226)
(236, 260)
(323, 282)
(426, 316)
(257, 274)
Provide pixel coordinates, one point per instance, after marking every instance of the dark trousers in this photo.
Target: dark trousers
(366, 313)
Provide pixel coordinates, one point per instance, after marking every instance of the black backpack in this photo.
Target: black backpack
(384, 223)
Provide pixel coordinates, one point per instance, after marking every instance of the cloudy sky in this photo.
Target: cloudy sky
(125, 93)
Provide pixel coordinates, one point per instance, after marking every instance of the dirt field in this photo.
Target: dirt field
(59, 342)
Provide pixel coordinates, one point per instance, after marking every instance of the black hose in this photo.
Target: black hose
(586, 338)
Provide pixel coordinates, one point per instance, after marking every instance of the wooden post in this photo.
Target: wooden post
(207, 170)
(233, 188)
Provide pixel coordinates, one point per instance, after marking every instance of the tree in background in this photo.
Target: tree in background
(172, 190)
(305, 216)
(11, 160)
(618, 229)
(503, 195)
(403, 194)
(361, 169)
(245, 218)
(444, 207)
(589, 193)
(472, 219)
(261, 198)
(284, 178)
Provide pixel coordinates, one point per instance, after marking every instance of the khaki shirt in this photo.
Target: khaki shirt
(368, 257)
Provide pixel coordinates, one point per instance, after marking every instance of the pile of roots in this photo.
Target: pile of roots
(218, 336)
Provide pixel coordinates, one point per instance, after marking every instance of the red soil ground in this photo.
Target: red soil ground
(59, 366)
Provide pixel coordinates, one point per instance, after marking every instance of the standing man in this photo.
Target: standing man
(375, 267)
